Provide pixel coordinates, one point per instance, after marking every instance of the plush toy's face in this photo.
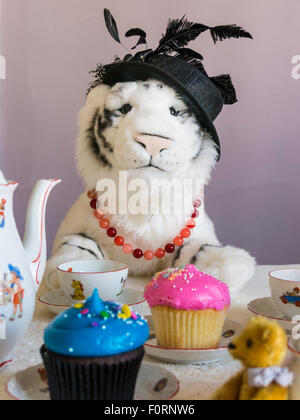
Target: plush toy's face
(144, 127)
(262, 344)
(148, 126)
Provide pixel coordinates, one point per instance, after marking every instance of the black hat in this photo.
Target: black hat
(178, 67)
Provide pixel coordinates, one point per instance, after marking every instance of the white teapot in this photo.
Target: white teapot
(22, 265)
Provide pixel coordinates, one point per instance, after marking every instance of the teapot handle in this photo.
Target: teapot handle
(50, 284)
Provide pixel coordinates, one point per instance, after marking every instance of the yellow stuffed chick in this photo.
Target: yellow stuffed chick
(261, 348)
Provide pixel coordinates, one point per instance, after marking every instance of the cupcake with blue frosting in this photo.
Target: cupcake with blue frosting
(93, 351)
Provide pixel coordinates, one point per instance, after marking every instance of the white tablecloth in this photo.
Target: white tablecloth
(196, 382)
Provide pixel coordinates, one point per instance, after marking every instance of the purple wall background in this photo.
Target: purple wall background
(51, 45)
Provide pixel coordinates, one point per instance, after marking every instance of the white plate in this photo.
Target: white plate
(266, 308)
(295, 368)
(196, 356)
(57, 303)
(154, 383)
(294, 346)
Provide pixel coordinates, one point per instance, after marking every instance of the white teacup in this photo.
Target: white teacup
(285, 288)
(79, 279)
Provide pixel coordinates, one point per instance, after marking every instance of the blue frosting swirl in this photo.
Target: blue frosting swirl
(96, 329)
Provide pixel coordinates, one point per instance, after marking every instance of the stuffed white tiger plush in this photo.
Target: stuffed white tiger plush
(113, 127)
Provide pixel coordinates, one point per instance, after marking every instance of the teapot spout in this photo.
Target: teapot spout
(35, 230)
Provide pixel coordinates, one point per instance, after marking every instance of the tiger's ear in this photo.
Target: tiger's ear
(226, 88)
(97, 95)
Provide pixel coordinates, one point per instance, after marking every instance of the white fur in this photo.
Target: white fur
(150, 114)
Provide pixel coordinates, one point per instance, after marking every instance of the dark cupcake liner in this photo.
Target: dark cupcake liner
(92, 379)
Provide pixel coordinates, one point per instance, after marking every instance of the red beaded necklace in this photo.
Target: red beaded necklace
(127, 248)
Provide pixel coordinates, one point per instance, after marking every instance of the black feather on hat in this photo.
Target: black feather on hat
(177, 66)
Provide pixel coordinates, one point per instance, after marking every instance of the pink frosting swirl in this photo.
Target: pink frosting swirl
(187, 288)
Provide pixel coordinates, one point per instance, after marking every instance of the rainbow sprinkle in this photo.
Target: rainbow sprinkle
(78, 305)
(126, 312)
(104, 314)
(175, 274)
(85, 312)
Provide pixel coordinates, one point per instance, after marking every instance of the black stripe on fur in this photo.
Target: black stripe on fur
(85, 236)
(200, 148)
(85, 247)
(178, 254)
(107, 119)
(198, 153)
(194, 258)
(103, 124)
(94, 144)
(81, 248)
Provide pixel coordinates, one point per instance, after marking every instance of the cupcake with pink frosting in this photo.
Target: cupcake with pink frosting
(188, 307)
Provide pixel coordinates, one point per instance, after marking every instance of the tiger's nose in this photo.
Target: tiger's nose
(152, 143)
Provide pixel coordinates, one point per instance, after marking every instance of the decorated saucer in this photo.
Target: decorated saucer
(5, 364)
(294, 365)
(57, 303)
(195, 356)
(266, 308)
(154, 383)
(294, 346)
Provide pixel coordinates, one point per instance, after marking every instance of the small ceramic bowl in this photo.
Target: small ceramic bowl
(79, 279)
(285, 289)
